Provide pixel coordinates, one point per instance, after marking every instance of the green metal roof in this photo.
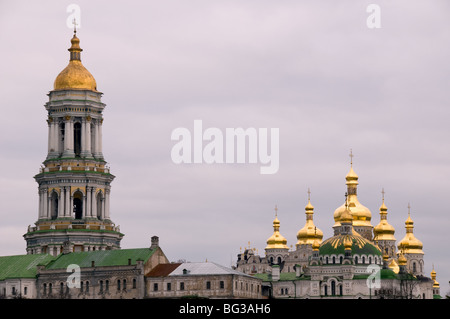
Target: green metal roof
(22, 266)
(115, 257)
(360, 246)
(284, 276)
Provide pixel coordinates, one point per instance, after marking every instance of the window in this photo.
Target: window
(13, 290)
(333, 288)
(356, 259)
(222, 284)
(124, 284)
(107, 285)
(169, 286)
(134, 283)
(181, 285)
(77, 139)
(334, 260)
(87, 287)
(363, 260)
(101, 285)
(61, 287)
(81, 286)
(208, 285)
(155, 287)
(326, 290)
(326, 260)
(50, 286)
(118, 284)
(341, 259)
(45, 289)
(78, 204)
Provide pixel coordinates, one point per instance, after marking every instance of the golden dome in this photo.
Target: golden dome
(384, 230)
(75, 75)
(433, 277)
(276, 241)
(316, 245)
(309, 233)
(348, 243)
(361, 214)
(394, 266)
(410, 244)
(402, 260)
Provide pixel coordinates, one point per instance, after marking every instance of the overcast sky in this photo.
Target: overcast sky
(313, 69)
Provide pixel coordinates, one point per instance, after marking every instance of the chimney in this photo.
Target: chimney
(155, 242)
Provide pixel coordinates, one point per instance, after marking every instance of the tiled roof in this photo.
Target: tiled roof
(101, 258)
(22, 266)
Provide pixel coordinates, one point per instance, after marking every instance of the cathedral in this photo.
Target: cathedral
(358, 261)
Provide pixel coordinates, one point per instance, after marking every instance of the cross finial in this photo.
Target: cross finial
(346, 200)
(409, 209)
(382, 194)
(351, 157)
(74, 22)
(276, 211)
(309, 194)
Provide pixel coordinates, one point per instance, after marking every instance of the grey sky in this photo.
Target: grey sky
(310, 68)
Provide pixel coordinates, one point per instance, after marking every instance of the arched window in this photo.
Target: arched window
(134, 283)
(334, 260)
(118, 284)
(124, 284)
(414, 267)
(326, 260)
(101, 285)
(370, 260)
(62, 130)
(363, 259)
(341, 259)
(333, 288)
(100, 205)
(87, 286)
(326, 290)
(77, 139)
(340, 290)
(54, 201)
(78, 205)
(107, 285)
(279, 260)
(356, 259)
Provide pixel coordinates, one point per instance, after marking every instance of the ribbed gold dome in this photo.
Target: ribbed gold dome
(433, 277)
(309, 233)
(276, 241)
(410, 244)
(384, 230)
(361, 214)
(75, 75)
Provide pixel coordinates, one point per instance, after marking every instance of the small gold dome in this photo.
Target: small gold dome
(348, 243)
(276, 241)
(75, 75)
(410, 244)
(316, 245)
(309, 233)
(384, 230)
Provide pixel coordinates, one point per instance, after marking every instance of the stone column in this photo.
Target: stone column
(88, 201)
(83, 138)
(68, 138)
(41, 203)
(100, 150)
(94, 203)
(67, 209)
(88, 136)
(45, 204)
(106, 203)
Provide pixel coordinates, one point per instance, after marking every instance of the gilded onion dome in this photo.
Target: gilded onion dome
(361, 214)
(433, 277)
(276, 241)
(384, 230)
(410, 244)
(309, 233)
(75, 75)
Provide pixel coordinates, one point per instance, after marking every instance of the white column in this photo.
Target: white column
(100, 150)
(41, 203)
(107, 191)
(45, 203)
(61, 202)
(88, 201)
(88, 137)
(68, 138)
(68, 209)
(50, 135)
(94, 203)
(83, 138)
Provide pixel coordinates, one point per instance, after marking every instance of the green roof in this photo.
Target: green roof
(22, 266)
(115, 257)
(360, 246)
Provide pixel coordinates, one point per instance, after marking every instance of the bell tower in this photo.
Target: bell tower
(74, 182)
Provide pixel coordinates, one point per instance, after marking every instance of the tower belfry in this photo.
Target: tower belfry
(75, 181)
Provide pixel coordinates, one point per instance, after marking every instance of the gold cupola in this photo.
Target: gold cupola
(361, 214)
(309, 233)
(433, 277)
(75, 75)
(276, 241)
(384, 230)
(410, 244)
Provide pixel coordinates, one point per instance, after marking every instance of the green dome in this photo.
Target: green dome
(360, 246)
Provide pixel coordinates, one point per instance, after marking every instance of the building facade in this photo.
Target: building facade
(359, 261)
